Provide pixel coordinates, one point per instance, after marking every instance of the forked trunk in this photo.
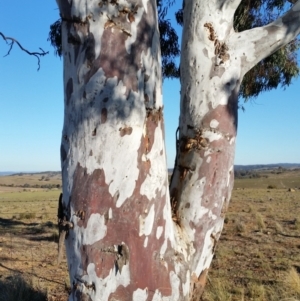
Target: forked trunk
(125, 238)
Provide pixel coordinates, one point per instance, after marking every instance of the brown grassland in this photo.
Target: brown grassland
(257, 257)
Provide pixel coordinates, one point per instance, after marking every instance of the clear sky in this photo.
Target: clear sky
(31, 102)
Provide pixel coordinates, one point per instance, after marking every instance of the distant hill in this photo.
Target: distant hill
(16, 173)
(6, 173)
(260, 166)
(266, 166)
(236, 168)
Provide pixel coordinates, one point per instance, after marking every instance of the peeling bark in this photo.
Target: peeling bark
(127, 238)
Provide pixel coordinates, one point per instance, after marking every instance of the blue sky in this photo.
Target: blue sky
(31, 102)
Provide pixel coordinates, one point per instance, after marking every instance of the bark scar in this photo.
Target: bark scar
(221, 49)
(155, 115)
(122, 257)
(114, 23)
(124, 19)
(63, 226)
(121, 253)
(197, 142)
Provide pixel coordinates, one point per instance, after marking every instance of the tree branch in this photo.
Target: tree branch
(11, 41)
(260, 42)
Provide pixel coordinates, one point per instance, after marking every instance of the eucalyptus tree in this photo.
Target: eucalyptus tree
(130, 237)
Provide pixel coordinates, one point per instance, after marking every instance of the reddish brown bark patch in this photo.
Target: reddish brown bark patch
(114, 58)
(225, 115)
(91, 195)
(87, 193)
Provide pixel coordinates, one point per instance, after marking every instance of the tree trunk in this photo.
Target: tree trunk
(125, 238)
(113, 156)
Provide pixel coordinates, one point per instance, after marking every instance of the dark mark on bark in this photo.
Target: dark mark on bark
(215, 240)
(174, 205)
(74, 20)
(69, 89)
(121, 253)
(90, 49)
(63, 226)
(122, 257)
(81, 296)
(63, 153)
(116, 196)
(146, 77)
(103, 115)
(74, 39)
(80, 214)
(146, 97)
(106, 216)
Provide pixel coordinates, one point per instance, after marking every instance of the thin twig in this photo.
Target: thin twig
(11, 41)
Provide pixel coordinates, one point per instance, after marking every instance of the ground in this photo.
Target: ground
(29, 235)
(257, 257)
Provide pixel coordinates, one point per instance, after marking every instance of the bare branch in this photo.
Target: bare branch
(11, 41)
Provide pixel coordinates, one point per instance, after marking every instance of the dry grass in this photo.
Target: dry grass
(218, 291)
(292, 282)
(260, 222)
(257, 257)
(28, 243)
(31, 179)
(17, 288)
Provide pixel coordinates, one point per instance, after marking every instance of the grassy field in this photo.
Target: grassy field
(31, 179)
(257, 257)
(28, 239)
